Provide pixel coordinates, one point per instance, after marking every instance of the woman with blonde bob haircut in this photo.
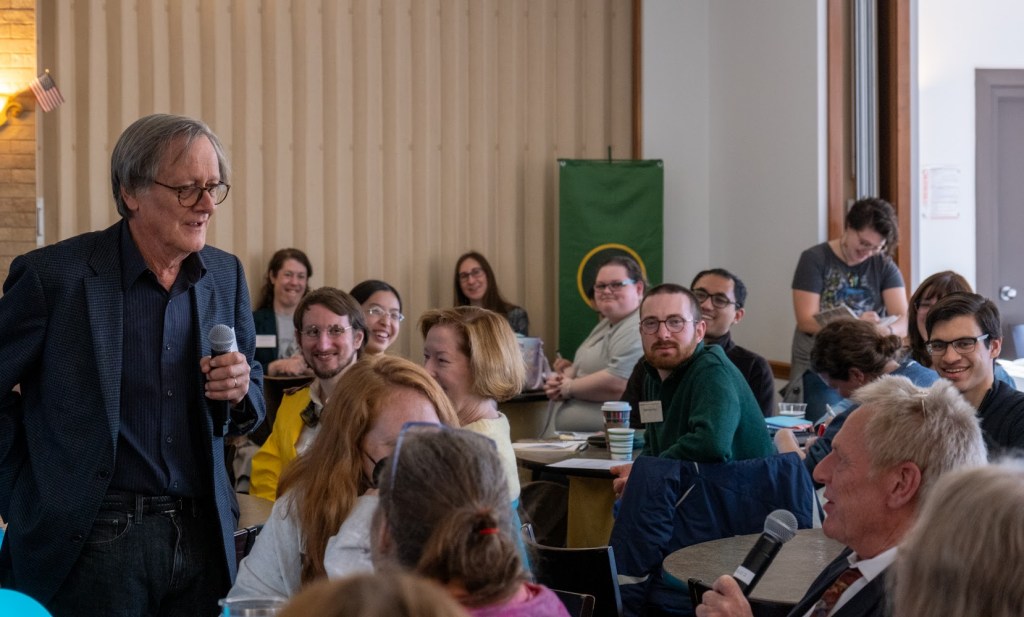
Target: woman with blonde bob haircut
(327, 494)
(961, 557)
(474, 355)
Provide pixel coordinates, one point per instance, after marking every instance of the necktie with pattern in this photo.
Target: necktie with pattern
(832, 594)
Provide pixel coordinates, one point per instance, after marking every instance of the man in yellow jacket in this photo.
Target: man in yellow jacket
(331, 332)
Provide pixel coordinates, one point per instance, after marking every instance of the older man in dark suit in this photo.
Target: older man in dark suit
(112, 474)
(888, 454)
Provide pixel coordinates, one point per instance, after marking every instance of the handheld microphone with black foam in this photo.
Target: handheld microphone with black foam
(779, 528)
(222, 341)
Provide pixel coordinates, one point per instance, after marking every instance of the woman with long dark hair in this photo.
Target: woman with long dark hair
(475, 285)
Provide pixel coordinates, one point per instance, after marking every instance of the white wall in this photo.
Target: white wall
(954, 39)
(734, 102)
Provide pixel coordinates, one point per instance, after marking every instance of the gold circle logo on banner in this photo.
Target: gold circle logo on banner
(587, 271)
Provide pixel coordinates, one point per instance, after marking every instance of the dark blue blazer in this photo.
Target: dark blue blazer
(870, 601)
(61, 331)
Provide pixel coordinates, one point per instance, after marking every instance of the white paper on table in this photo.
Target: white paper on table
(588, 463)
(549, 446)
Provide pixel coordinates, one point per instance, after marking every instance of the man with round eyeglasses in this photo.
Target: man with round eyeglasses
(112, 473)
(696, 405)
(331, 331)
(964, 340)
(722, 296)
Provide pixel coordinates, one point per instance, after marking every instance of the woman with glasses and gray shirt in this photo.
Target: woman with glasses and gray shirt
(605, 359)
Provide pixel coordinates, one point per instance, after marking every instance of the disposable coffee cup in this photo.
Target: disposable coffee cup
(616, 414)
(620, 443)
(251, 607)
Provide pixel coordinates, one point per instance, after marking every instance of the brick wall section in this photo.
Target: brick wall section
(18, 136)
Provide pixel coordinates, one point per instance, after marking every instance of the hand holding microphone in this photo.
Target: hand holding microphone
(226, 370)
(727, 597)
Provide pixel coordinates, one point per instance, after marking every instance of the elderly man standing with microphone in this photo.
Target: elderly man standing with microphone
(112, 474)
(887, 455)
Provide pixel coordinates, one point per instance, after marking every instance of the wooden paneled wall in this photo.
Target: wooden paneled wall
(383, 137)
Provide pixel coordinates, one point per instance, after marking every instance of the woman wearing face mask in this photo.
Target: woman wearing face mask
(475, 285)
(327, 493)
(286, 283)
(854, 270)
(382, 309)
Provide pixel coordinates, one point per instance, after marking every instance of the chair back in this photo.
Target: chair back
(670, 504)
(244, 540)
(576, 604)
(588, 571)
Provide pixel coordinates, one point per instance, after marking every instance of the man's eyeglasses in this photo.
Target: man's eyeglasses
(189, 196)
(378, 312)
(718, 300)
(471, 274)
(964, 345)
(673, 324)
(333, 332)
(612, 287)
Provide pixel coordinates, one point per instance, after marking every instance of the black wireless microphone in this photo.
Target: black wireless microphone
(222, 341)
(779, 528)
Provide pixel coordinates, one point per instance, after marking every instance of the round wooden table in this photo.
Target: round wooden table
(796, 566)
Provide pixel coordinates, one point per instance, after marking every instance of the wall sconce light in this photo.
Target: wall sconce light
(9, 107)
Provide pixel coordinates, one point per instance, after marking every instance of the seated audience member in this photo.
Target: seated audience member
(287, 282)
(605, 358)
(389, 594)
(444, 515)
(327, 494)
(722, 297)
(473, 354)
(701, 408)
(964, 340)
(848, 354)
(891, 451)
(382, 310)
(930, 291)
(475, 285)
(961, 557)
(330, 328)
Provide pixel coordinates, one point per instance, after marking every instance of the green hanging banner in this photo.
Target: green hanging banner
(605, 208)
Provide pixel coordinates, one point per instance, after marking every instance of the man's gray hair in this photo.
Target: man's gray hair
(935, 428)
(142, 146)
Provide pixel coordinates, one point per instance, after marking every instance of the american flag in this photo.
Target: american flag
(46, 92)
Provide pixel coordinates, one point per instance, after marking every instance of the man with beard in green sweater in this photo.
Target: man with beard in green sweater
(696, 404)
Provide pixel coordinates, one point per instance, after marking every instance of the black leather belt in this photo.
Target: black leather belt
(148, 504)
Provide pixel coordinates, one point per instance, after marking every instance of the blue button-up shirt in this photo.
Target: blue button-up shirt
(159, 442)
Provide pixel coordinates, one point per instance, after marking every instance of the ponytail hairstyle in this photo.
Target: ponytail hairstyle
(445, 514)
(846, 344)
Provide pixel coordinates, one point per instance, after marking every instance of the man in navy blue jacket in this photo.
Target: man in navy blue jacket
(112, 474)
(888, 453)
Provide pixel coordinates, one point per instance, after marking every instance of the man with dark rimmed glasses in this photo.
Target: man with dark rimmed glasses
(696, 405)
(723, 297)
(964, 340)
(112, 473)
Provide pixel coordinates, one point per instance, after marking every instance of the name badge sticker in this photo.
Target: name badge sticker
(266, 340)
(650, 411)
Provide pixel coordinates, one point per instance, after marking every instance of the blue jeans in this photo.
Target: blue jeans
(139, 563)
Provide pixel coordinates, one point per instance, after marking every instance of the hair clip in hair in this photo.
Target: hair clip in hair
(488, 531)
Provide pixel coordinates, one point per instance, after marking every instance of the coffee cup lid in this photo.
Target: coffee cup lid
(616, 406)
